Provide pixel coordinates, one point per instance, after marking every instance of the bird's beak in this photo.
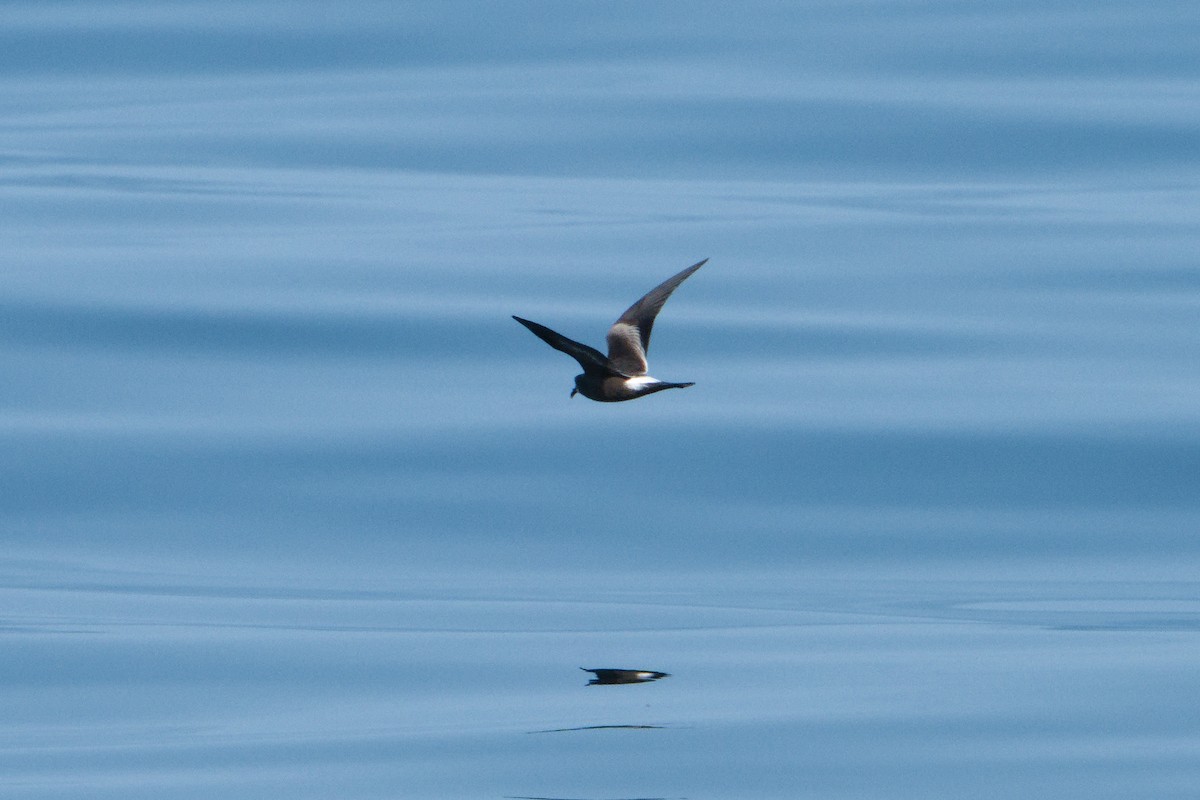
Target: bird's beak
(574, 392)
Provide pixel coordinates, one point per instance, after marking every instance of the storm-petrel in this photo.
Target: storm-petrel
(621, 375)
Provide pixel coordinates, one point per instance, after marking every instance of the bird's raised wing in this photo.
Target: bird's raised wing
(629, 337)
(590, 359)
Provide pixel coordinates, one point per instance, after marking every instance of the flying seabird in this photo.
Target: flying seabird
(621, 375)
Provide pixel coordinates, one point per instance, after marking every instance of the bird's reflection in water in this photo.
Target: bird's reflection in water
(607, 676)
(614, 676)
(601, 728)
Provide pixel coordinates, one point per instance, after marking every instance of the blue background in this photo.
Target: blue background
(291, 506)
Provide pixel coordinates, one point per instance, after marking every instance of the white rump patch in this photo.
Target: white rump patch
(641, 381)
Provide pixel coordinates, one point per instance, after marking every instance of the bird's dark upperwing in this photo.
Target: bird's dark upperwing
(629, 337)
(590, 359)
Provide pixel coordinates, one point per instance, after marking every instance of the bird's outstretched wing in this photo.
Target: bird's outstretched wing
(590, 359)
(629, 337)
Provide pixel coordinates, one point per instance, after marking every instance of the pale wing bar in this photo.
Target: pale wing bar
(629, 337)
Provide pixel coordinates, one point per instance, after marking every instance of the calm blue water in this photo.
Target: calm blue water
(292, 508)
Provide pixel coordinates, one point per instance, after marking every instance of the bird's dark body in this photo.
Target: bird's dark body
(612, 389)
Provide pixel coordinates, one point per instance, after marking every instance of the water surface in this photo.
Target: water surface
(292, 507)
